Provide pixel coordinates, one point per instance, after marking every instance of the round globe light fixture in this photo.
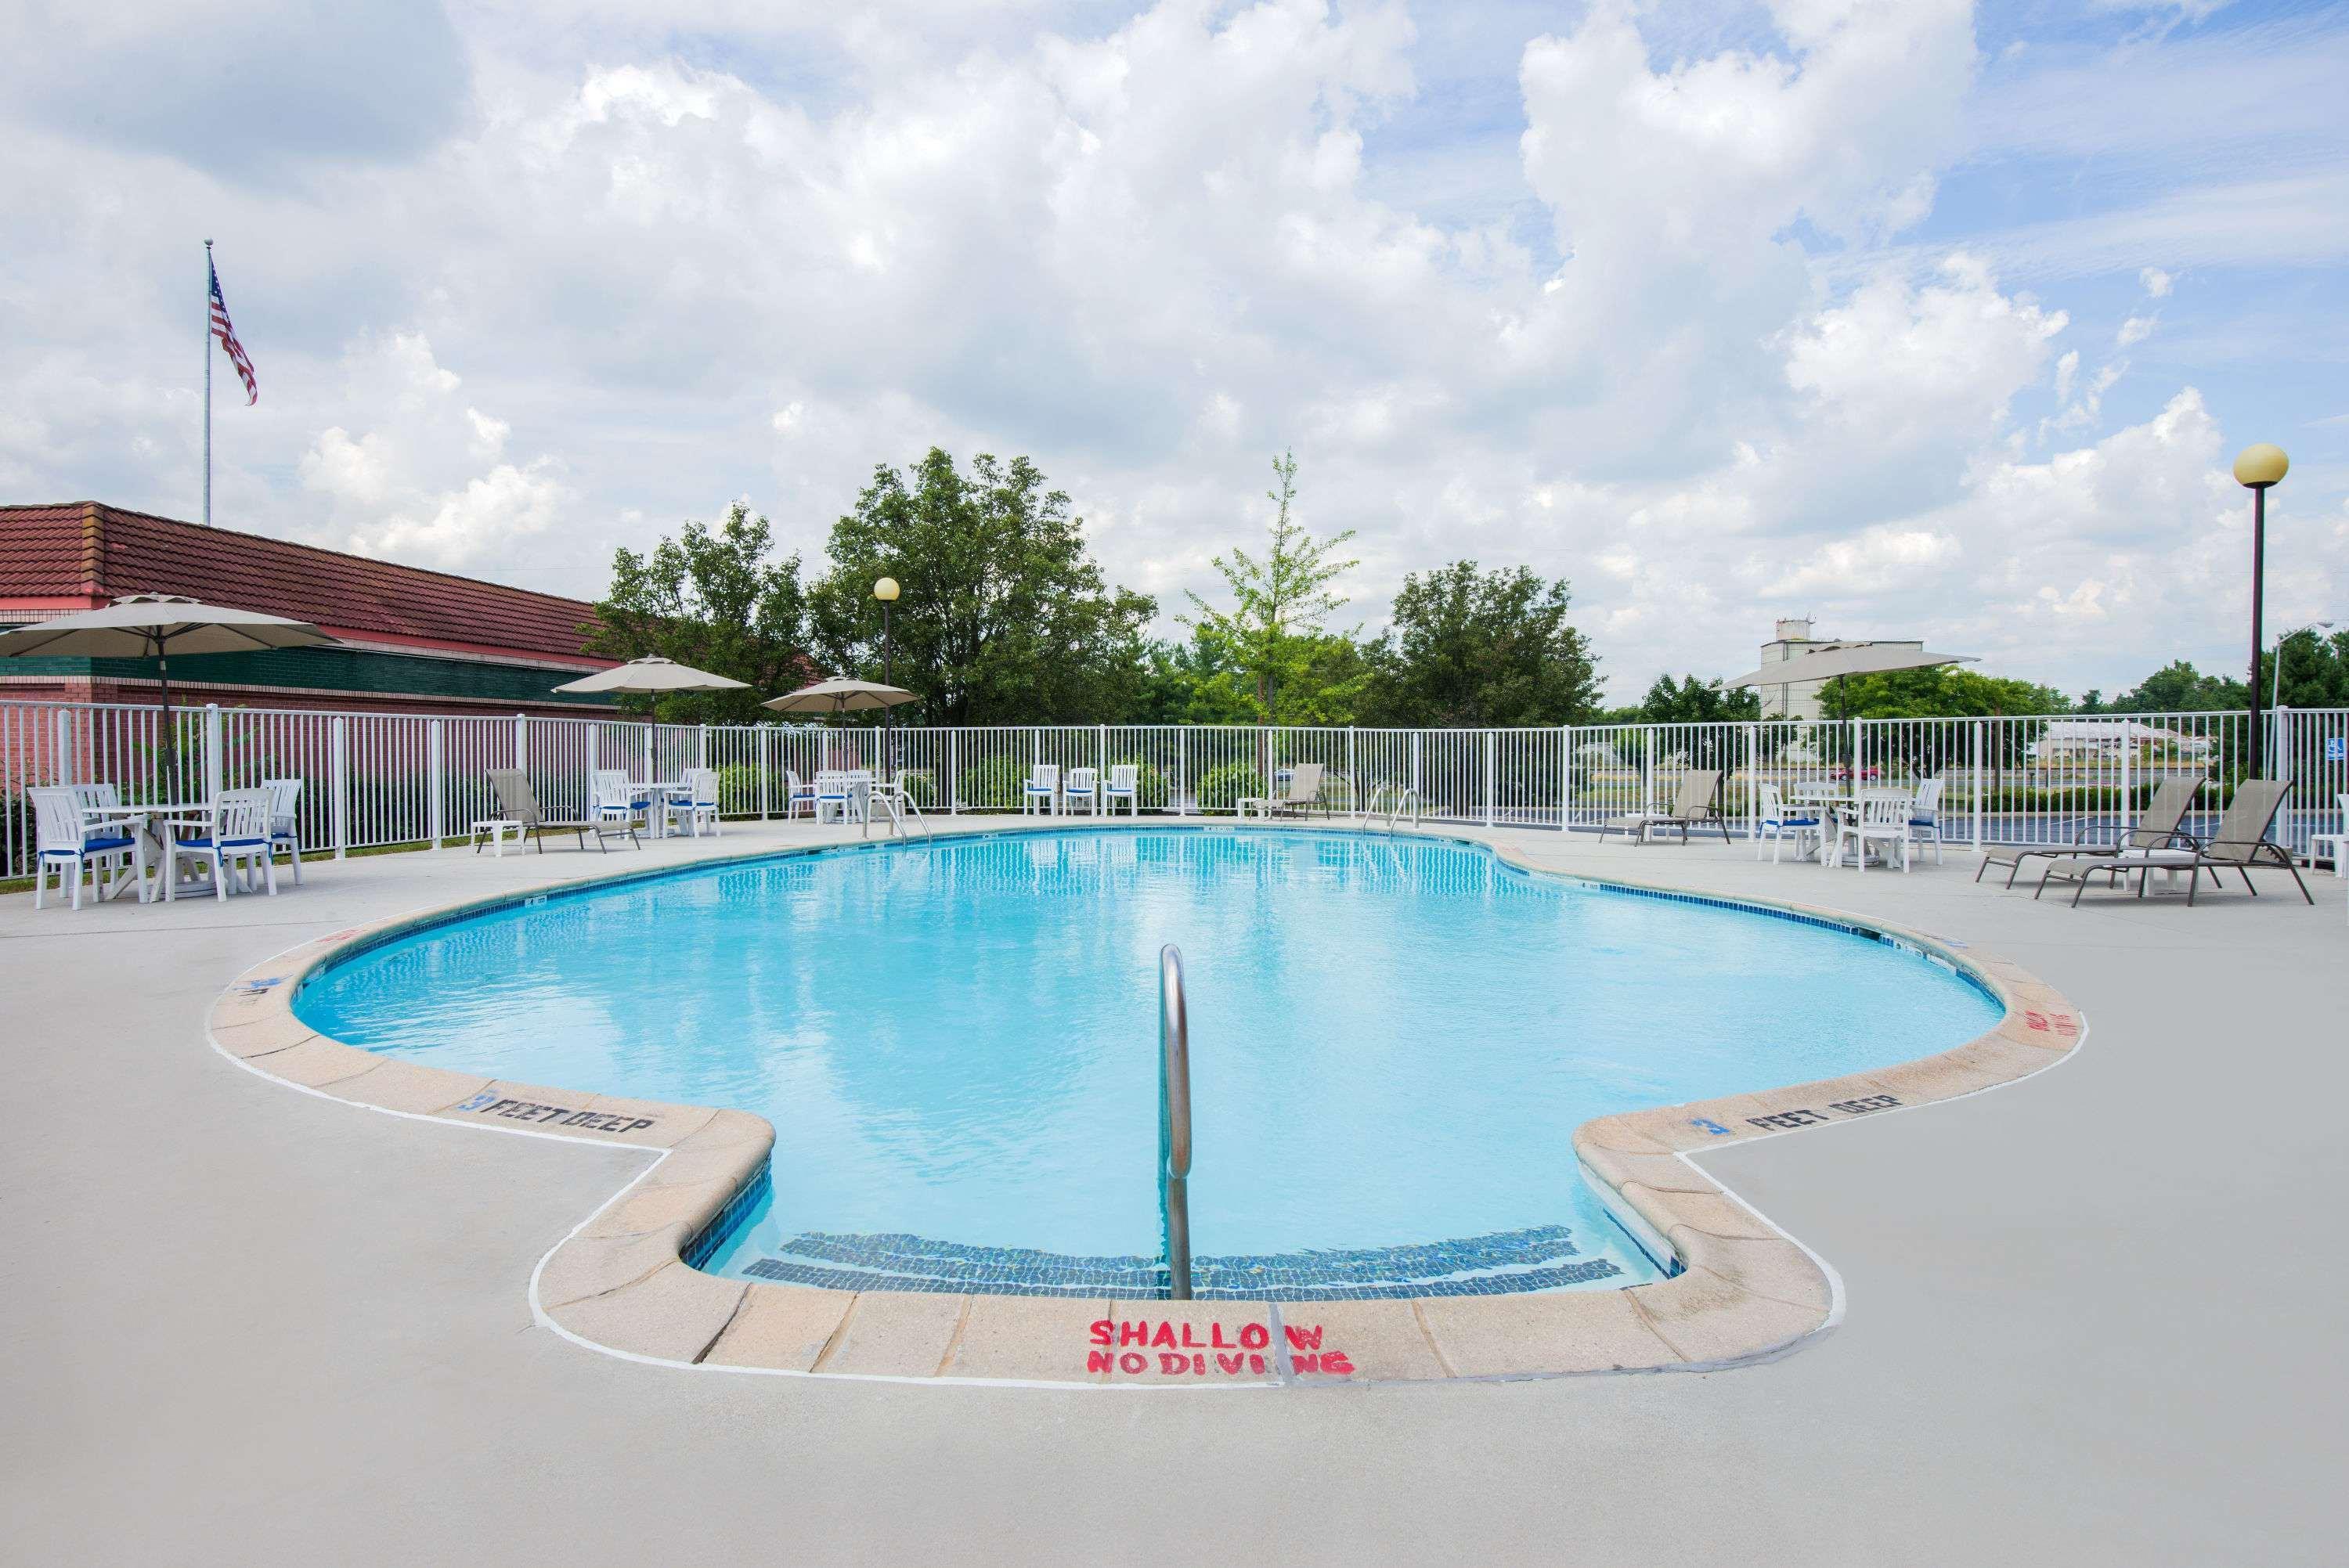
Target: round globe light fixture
(2256, 467)
(885, 589)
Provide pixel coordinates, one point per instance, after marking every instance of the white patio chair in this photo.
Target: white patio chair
(613, 805)
(1777, 822)
(1124, 784)
(1925, 820)
(796, 795)
(231, 838)
(835, 795)
(1082, 785)
(66, 840)
(285, 819)
(97, 797)
(1880, 816)
(696, 803)
(1041, 793)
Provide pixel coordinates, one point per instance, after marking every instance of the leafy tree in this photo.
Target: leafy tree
(1943, 691)
(1479, 649)
(2316, 669)
(2179, 687)
(1692, 701)
(711, 598)
(1003, 615)
(1270, 658)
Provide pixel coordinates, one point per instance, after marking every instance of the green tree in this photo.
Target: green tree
(1692, 701)
(1477, 649)
(714, 599)
(1943, 691)
(1271, 656)
(2179, 687)
(1003, 616)
(2315, 670)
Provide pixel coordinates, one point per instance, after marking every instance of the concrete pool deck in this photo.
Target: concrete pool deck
(2092, 1313)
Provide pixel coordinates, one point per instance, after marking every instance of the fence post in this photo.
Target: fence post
(1855, 757)
(213, 761)
(594, 736)
(1417, 788)
(1564, 779)
(1753, 779)
(1979, 725)
(765, 762)
(650, 728)
(1100, 763)
(2128, 812)
(1182, 775)
(433, 770)
(953, 775)
(701, 748)
(521, 742)
(340, 764)
(1489, 761)
(1648, 768)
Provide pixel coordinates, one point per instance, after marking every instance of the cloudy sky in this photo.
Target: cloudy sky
(1922, 317)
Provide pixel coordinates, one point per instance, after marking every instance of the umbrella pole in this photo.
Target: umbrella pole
(171, 741)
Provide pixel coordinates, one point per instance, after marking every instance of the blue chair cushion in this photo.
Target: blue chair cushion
(1793, 822)
(225, 843)
(88, 847)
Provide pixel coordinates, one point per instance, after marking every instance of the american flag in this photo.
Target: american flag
(227, 336)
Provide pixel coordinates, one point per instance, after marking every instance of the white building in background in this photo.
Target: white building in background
(1800, 700)
(2109, 739)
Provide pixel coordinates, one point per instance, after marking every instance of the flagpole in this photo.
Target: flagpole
(208, 383)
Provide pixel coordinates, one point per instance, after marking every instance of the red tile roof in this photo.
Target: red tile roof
(90, 551)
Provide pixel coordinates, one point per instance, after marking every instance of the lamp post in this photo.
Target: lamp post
(2256, 470)
(885, 589)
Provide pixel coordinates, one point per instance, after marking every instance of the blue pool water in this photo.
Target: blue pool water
(1392, 1043)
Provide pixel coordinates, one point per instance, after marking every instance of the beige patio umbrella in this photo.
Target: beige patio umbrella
(653, 674)
(841, 696)
(1835, 663)
(155, 626)
(844, 695)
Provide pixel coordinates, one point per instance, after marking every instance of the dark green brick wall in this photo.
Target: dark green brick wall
(335, 669)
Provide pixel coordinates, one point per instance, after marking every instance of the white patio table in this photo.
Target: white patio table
(145, 820)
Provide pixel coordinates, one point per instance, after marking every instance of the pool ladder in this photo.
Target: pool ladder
(1174, 1121)
(1396, 798)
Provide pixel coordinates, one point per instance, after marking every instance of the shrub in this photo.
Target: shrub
(1228, 784)
(738, 790)
(992, 785)
(921, 788)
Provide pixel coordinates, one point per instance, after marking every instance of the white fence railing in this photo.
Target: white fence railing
(376, 779)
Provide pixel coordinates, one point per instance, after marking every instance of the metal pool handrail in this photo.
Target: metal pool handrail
(1175, 1121)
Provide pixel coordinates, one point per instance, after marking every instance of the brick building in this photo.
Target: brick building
(412, 640)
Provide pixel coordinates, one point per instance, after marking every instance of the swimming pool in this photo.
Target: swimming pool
(1392, 1041)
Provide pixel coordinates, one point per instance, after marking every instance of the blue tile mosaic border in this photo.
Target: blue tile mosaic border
(713, 1235)
(1503, 1263)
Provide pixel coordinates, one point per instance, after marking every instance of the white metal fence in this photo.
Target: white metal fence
(374, 780)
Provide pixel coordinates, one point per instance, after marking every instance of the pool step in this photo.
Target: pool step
(1504, 1262)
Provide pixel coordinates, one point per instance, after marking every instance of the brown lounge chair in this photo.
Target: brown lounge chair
(2153, 831)
(1693, 806)
(2241, 843)
(518, 803)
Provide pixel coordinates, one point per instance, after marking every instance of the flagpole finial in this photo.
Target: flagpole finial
(208, 244)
